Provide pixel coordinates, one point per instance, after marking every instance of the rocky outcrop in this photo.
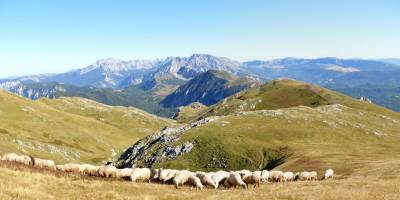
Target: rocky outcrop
(159, 146)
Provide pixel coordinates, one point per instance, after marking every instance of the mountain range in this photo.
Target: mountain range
(157, 85)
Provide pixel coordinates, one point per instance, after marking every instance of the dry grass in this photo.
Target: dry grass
(20, 182)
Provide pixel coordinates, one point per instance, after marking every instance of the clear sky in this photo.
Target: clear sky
(58, 35)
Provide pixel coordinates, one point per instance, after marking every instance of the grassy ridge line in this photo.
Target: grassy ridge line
(27, 183)
(118, 116)
(285, 93)
(33, 127)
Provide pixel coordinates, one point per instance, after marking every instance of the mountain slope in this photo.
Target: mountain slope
(296, 126)
(385, 95)
(85, 135)
(208, 88)
(130, 96)
(286, 93)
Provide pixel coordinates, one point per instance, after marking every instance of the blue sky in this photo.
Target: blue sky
(54, 36)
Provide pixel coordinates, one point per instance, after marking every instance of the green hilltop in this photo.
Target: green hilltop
(285, 93)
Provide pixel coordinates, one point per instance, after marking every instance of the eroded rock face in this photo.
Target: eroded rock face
(159, 146)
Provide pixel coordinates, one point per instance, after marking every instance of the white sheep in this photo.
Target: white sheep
(264, 176)
(170, 175)
(206, 179)
(219, 177)
(288, 176)
(195, 181)
(185, 176)
(124, 173)
(244, 172)
(328, 174)
(42, 163)
(92, 170)
(163, 173)
(60, 168)
(142, 174)
(253, 178)
(276, 176)
(71, 167)
(9, 157)
(83, 168)
(181, 177)
(26, 160)
(234, 180)
(303, 176)
(313, 176)
(107, 171)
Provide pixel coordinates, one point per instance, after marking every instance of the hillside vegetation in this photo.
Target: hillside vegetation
(185, 113)
(70, 129)
(285, 124)
(285, 93)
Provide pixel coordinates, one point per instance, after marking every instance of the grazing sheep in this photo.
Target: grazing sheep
(60, 168)
(45, 164)
(303, 176)
(91, 170)
(244, 172)
(206, 179)
(181, 177)
(276, 176)
(83, 168)
(163, 173)
(154, 175)
(22, 159)
(219, 177)
(107, 171)
(142, 174)
(124, 173)
(313, 176)
(71, 167)
(234, 180)
(264, 176)
(288, 176)
(170, 175)
(253, 178)
(328, 174)
(10, 157)
(195, 181)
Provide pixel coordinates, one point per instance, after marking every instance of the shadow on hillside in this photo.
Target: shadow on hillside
(275, 157)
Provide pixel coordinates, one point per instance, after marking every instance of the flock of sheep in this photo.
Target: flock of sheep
(198, 180)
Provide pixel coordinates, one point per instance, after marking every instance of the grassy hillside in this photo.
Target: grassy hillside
(380, 182)
(78, 130)
(284, 124)
(133, 121)
(285, 93)
(188, 112)
(130, 96)
(299, 138)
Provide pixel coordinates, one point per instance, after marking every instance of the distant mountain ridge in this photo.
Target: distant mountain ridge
(208, 88)
(114, 73)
